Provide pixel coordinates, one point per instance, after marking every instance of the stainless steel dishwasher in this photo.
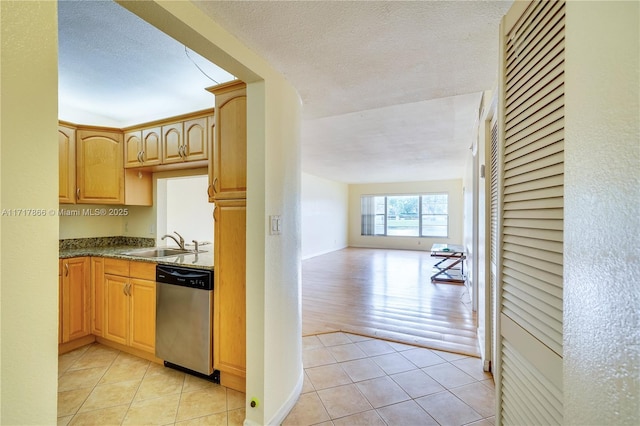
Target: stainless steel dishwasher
(184, 315)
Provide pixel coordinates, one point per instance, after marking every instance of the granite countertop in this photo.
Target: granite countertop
(112, 247)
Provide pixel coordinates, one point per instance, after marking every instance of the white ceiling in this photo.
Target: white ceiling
(391, 90)
(117, 70)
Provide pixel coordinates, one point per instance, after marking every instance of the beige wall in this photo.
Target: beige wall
(453, 187)
(29, 244)
(84, 226)
(324, 215)
(602, 210)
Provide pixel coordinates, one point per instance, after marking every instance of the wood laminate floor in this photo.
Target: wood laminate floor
(386, 294)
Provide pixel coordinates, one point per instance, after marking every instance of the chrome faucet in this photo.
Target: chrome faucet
(180, 242)
(198, 244)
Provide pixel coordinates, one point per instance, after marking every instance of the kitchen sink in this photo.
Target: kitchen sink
(157, 252)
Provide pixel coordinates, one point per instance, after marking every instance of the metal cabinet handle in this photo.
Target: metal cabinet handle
(142, 156)
(124, 289)
(215, 185)
(210, 190)
(66, 269)
(77, 193)
(215, 209)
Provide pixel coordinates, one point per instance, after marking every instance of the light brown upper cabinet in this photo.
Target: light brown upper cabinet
(99, 162)
(228, 159)
(142, 148)
(66, 164)
(172, 143)
(185, 141)
(195, 139)
(115, 166)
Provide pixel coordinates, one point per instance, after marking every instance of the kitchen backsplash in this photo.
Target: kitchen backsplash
(76, 243)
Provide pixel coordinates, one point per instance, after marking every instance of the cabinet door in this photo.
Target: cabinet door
(230, 146)
(116, 314)
(97, 293)
(172, 143)
(76, 282)
(195, 139)
(66, 165)
(152, 146)
(229, 298)
(100, 171)
(133, 149)
(142, 330)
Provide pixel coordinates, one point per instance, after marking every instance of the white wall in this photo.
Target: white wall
(28, 244)
(453, 187)
(469, 222)
(601, 342)
(151, 222)
(324, 215)
(188, 209)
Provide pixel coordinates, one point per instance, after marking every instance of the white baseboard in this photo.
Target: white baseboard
(309, 256)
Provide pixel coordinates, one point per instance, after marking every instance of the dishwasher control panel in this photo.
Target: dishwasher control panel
(186, 277)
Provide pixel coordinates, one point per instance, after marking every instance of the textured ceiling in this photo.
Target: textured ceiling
(426, 140)
(117, 70)
(348, 56)
(390, 89)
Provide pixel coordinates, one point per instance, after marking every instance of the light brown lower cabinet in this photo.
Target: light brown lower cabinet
(97, 293)
(74, 292)
(130, 304)
(229, 293)
(75, 296)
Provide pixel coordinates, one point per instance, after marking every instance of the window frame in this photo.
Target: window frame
(421, 215)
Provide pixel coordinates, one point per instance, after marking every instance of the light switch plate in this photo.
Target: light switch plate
(275, 225)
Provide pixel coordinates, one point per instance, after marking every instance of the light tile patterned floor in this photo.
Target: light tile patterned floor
(356, 380)
(98, 385)
(349, 380)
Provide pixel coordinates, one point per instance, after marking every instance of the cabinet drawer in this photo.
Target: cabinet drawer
(143, 270)
(116, 267)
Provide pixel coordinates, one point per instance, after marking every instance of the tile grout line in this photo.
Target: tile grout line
(136, 392)
(85, 353)
(396, 350)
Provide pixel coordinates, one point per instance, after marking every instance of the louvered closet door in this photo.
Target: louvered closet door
(531, 207)
(493, 232)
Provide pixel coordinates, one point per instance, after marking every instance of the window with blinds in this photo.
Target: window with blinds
(419, 215)
(531, 205)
